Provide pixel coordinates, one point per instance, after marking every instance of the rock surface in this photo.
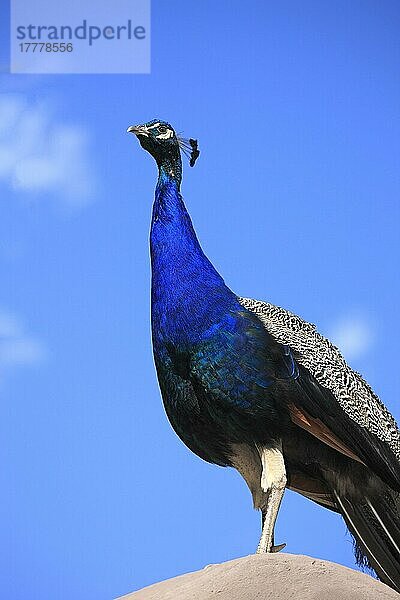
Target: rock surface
(269, 577)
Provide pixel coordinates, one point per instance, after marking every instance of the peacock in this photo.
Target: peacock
(250, 385)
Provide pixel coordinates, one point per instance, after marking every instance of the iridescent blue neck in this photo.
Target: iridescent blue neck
(172, 232)
(184, 282)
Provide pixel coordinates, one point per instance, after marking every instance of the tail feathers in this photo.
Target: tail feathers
(375, 526)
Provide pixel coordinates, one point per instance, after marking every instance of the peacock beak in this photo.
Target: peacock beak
(138, 130)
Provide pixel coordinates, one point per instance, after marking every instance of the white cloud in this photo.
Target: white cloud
(353, 335)
(39, 154)
(18, 348)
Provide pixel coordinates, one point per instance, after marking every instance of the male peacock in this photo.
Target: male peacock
(251, 385)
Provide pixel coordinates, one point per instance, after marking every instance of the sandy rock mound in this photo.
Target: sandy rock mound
(269, 577)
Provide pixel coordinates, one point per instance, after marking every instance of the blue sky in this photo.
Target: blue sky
(295, 199)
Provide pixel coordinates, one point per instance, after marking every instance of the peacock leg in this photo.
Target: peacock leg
(273, 482)
(274, 548)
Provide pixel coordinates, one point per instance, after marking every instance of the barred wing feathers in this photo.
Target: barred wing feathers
(327, 365)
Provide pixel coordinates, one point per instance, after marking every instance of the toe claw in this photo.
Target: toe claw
(277, 548)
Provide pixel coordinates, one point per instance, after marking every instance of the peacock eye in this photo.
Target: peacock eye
(162, 129)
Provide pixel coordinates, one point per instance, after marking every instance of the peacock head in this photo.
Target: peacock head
(161, 141)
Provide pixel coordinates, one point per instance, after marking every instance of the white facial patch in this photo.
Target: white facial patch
(165, 136)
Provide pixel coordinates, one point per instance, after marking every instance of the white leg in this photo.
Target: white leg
(273, 482)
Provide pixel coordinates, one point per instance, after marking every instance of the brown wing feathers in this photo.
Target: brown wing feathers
(320, 431)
